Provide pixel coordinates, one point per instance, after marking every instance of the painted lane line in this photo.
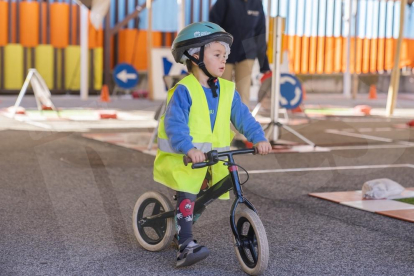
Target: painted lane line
(37, 124)
(363, 136)
(387, 146)
(332, 168)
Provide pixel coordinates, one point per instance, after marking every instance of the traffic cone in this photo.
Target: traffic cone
(105, 94)
(372, 92)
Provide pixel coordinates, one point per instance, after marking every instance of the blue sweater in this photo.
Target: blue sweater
(177, 113)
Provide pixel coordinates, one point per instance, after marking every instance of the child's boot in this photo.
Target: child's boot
(190, 253)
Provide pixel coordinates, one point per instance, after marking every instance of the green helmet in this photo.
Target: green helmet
(197, 35)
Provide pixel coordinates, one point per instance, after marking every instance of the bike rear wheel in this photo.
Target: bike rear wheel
(158, 234)
(253, 254)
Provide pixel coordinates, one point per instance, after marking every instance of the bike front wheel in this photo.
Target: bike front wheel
(253, 253)
(158, 234)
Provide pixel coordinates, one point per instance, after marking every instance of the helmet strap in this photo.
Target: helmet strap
(211, 80)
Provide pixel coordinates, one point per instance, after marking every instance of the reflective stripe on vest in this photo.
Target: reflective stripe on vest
(165, 145)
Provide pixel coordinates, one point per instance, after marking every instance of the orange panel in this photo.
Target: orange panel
(405, 60)
(305, 55)
(359, 44)
(365, 55)
(59, 25)
(29, 24)
(411, 44)
(3, 22)
(291, 49)
(44, 23)
(75, 22)
(373, 56)
(312, 54)
(298, 49)
(338, 55)
(380, 55)
(389, 53)
(329, 54)
(321, 55)
(99, 38)
(13, 26)
(91, 36)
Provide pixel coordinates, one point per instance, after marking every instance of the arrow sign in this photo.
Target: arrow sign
(125, 76)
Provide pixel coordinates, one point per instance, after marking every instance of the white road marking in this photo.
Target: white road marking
(363, 136)
(332, 168)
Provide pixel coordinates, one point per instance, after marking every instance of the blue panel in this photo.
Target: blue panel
(396, 26)
(390, 14)
(121, 10)
(362, 17)
(406, 33)
(375, 16)
(308, 19)
(131, 8)
(337, 18)
(370, 12)
(314, 30)
(345, 30)
(283, 8)
(382, 20)
(411, 24)
(291, 22)
(330, 10)
(112, 11)
(322, 18)
(196, 11)
(187, 12)
(206, 10)
(300, 17)
(274, 8)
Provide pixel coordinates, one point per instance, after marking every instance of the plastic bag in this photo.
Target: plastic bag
(381, 188)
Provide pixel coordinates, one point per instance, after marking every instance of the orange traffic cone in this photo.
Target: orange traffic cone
(372, 92)
(105, 94)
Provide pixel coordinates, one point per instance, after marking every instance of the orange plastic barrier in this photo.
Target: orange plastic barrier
(329, 54)
(365, 55)
(4, 19)
(29, 24)
(291, 49)
(381, 55)
(411, 46)
(352, 55)
(321, 55)
(44, 23)
(373, 56)
(405, 60)
(59, 25)
(13, 26)
(312, 54)
(338, 55)
(133, 47)
(389, 53)
(359, 53)
(298, 49)
(75, 20)
(305, 55)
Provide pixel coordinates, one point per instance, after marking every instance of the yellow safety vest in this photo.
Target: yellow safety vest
(169, 168)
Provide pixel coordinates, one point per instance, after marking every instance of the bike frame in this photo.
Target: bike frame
(204, 198)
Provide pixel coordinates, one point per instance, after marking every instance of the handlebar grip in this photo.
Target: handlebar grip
(187, 159)
(199, 165)
(256, 151)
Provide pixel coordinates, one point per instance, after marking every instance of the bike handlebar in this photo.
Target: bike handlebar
(213, 156)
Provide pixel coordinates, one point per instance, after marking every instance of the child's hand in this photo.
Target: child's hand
(196, 155)
(263, 147)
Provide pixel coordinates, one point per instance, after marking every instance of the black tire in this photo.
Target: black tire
(252, 232)
(153, 238)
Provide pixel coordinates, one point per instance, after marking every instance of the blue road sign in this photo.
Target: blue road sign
(290, 91)
(125, 76)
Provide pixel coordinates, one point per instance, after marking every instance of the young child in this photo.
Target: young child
(197, 120)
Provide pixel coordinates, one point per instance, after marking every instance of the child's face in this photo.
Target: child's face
(215, 59)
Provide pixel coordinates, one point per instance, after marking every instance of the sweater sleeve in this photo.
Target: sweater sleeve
(176, 120)
(244, 122)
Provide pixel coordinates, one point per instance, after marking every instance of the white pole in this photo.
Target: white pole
(181, 15)
(84, 91)
(395, 75)
(277, 45)
(149, 48)
(347, 74)
(268, 18)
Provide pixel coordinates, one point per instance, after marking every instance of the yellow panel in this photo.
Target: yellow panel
(98, 68)
(44, 63)
(72, 67)
(13, 66)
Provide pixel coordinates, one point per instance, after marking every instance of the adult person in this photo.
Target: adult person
(245, 21)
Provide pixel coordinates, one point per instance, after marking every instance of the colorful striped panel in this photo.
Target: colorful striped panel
(44, 63)
(59, 25)
(98, 67)
(72, 67)
(29, 24)
(4, 20)
(13, 66)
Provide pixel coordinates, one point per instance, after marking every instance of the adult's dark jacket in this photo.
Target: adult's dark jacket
(245, 20)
